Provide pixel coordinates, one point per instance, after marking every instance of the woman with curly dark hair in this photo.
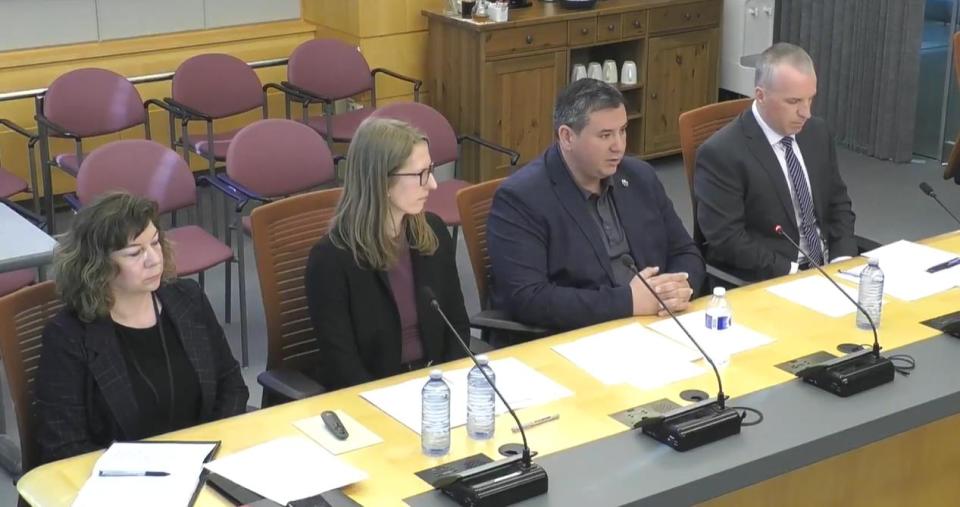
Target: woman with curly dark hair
(135, 352)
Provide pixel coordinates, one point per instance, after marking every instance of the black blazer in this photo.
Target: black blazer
(83, 393)
(742, 195)
(356, 318)
(549, 262)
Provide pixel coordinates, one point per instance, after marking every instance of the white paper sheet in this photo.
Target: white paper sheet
(183, 461)
(632, 354)
(817, 294)
(521, 385)
(904, 265)
(736, 339)
(358, 435)
(287, 469)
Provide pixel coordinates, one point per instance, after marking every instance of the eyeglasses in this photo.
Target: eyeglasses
(424, 175)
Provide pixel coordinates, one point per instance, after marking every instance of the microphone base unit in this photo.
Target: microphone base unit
(694, 425)
(500, 483)
(850, 374)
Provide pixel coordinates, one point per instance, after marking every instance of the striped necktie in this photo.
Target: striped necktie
(808, 220)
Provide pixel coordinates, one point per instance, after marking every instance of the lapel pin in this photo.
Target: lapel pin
(624, 182)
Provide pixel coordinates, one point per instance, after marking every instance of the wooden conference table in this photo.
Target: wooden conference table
(918, 461)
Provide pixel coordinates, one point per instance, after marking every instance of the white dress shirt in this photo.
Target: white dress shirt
(781, 153)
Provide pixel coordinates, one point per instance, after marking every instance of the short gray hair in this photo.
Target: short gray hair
(777, 54)
(582, 97)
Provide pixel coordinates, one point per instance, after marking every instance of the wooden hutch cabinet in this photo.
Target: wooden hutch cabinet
(500, 80)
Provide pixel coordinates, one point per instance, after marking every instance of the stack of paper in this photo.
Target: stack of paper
(521, 385)
(287, 469)
(135, 474)
(904, 265)
(631, 354)
(736, 339)
(818, 294)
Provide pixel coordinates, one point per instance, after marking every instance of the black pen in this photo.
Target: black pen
(132, 473)
(944, 265)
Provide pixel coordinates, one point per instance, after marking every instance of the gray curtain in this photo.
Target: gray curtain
(867, 55)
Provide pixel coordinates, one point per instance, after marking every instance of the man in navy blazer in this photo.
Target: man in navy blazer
(561, 227)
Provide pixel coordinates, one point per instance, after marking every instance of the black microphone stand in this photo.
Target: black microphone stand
(502, 482)
(854, 372)
(693, 425)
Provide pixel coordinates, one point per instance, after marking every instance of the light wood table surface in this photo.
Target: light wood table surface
(583, 418)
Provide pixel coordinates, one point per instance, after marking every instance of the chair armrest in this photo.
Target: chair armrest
(416, 82)
(307, 97)
(287, 91)
(227, 190)
(290, 384)
(514, 156)
(18, 129)
(73, 201)
(866, 244)
(43, 120)
(723, 276)
(187, 112)
(242, 190)
(162, 105)
(500, 321)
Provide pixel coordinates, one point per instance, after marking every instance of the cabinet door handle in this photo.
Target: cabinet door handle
(610, 27)
(687, 16)
(584, 31)
(653, 96)
(529, 39)
(636, 23)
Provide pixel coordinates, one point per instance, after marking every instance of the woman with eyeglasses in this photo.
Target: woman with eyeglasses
(365, 280)
(135, 352)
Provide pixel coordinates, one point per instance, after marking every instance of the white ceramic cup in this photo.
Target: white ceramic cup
(579, 72)
(628, 75)
(610, 72)
(595, 71)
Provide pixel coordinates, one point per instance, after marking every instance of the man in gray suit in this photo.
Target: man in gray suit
(773, 165)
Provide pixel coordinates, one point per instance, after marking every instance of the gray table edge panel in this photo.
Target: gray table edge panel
(802, 426)
(26, 261)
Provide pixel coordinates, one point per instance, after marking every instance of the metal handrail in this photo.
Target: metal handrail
(148, 78)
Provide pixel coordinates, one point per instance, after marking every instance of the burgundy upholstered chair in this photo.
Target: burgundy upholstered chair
(326, 70)
(444, 148)
(80, 104)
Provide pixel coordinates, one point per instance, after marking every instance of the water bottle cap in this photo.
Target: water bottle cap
(875, 262)
(483, 359)
(719, 291)
(436, 374)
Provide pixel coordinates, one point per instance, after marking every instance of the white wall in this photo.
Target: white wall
(35, 23)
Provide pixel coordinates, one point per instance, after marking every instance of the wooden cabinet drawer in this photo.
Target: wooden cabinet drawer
(608, 27)
(582, 31)
(634, 23)
(684, 16)
(526, 38)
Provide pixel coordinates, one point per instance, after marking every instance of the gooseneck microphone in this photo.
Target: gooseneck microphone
(501, 482)
(927, 189)
(854, 372)
(628, 262)
(694, 425)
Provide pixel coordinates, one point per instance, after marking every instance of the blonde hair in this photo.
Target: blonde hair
(82, 260)
(379, 147)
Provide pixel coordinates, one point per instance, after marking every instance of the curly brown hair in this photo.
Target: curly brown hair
(82, 260)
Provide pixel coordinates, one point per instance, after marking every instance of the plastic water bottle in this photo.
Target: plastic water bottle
(435, 420)
(871, 294)
(718, 320)
(481, 401)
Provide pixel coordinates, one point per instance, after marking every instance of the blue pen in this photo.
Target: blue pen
(944, 265)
